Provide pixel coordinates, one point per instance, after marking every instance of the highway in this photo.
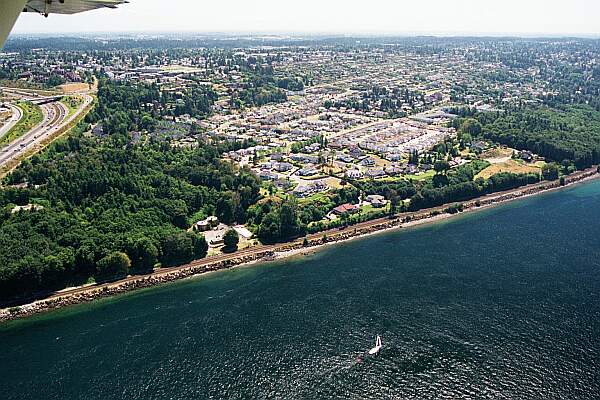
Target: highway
(17, 114)
(56, 116)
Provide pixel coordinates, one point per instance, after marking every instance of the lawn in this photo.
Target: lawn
(315, 197)
(421, 177)
(32, 116)
(367, 210)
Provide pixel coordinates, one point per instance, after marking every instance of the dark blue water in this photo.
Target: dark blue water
(499, 304)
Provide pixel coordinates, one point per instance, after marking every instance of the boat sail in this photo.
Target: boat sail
(377, 348)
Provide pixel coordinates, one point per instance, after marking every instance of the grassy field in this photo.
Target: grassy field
(514, 166)
(72, 103)
(32, 116)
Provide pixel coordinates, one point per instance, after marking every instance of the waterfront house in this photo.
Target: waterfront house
(345, 209)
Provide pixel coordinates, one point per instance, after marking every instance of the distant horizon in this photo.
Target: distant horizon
(315, 34)
(531, 18)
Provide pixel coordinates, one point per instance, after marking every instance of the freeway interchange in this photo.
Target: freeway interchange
(55, 118)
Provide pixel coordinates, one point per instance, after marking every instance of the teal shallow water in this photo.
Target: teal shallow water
(503, 303)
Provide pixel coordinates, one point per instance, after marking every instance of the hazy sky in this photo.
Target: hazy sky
(527, 17)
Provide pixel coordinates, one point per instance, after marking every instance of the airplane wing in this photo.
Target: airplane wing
(69, 6)
(10, 10)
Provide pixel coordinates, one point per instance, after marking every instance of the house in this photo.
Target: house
(98, 130)
(202, 226)
(393, 157)
(353, 174)
(526, 155)
(243, 231)
(478, 146)
(376, 173)
(213, 221)
(283, 183)
(367, 162)
(267, 176)
(376, 200)
(356, 152)
(28, 207)
(412, 169)
(393, 170)
(301, 191)
(310, 189)
(372, 197)
(283, 166)
(206, 224)
(345, 209)
(305, 158)
(312, 148)
(307, 171)
(378, 203)
(345, 158)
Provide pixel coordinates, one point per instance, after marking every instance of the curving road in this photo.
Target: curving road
(17, 114)
(56, 116)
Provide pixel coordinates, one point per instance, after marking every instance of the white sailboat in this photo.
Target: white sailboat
(377, 348)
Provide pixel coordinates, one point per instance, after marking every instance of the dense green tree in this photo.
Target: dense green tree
(177, 249)
(441, 166)
(114, 265)
(471, 127)
(288, 220)
(269, 228)
(144, 255)
(200, 246)
(231, 239)
(550, 172)
(571, 133)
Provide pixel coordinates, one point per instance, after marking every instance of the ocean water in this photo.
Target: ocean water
(499, 304)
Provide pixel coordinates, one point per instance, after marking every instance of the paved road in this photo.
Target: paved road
(55, 117)
(17, 114)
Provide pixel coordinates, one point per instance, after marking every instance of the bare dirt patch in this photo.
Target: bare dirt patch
(68, 88)
(498, 155)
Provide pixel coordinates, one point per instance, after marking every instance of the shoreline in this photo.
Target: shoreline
(470, 208)
(264, 253)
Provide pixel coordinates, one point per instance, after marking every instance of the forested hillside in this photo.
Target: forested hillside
(103, 205)
(571, 133)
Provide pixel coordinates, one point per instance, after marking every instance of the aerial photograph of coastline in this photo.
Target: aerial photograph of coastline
(299, 200)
